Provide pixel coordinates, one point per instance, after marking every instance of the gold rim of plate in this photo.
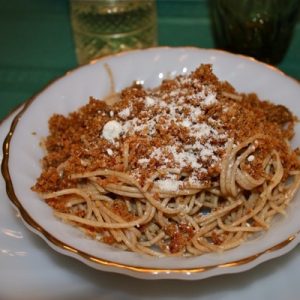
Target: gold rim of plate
(93, 259)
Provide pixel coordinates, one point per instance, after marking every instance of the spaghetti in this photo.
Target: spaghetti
(187, 168)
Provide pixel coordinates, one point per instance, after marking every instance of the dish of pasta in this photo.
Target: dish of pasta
(186, 167)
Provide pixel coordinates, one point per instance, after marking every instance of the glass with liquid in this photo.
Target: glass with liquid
(258, 28)
(102, 27)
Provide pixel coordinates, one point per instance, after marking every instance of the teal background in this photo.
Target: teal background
(36, 42)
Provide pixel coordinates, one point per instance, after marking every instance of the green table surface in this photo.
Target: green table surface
(36, 42)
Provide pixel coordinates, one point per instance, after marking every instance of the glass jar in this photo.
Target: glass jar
(102, 27)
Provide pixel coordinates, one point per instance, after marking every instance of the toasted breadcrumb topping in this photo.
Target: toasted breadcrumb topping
(183, 125)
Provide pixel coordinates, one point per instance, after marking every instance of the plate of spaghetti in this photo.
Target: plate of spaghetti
(161, 163)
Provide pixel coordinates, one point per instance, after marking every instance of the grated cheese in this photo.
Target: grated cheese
(182, 109)
(149, 101)
(109, 152)
(112, 130)
(250, 158)
(168, 185)
(125, 113)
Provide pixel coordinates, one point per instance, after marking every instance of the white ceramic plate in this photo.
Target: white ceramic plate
(24, 257)
(21, 161)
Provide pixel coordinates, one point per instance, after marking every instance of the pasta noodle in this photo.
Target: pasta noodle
(187, 168)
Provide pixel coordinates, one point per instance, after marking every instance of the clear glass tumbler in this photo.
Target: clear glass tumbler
(102, 27)
(259, 28)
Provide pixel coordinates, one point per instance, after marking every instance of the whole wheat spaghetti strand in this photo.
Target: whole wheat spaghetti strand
(224, 167)
(232, 182)
(75, 191)
(80, 220)
(237, 228)
(213, 216)
(154, 240)
(246, 181)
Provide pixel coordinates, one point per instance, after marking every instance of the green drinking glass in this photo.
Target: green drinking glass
(259, 28)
